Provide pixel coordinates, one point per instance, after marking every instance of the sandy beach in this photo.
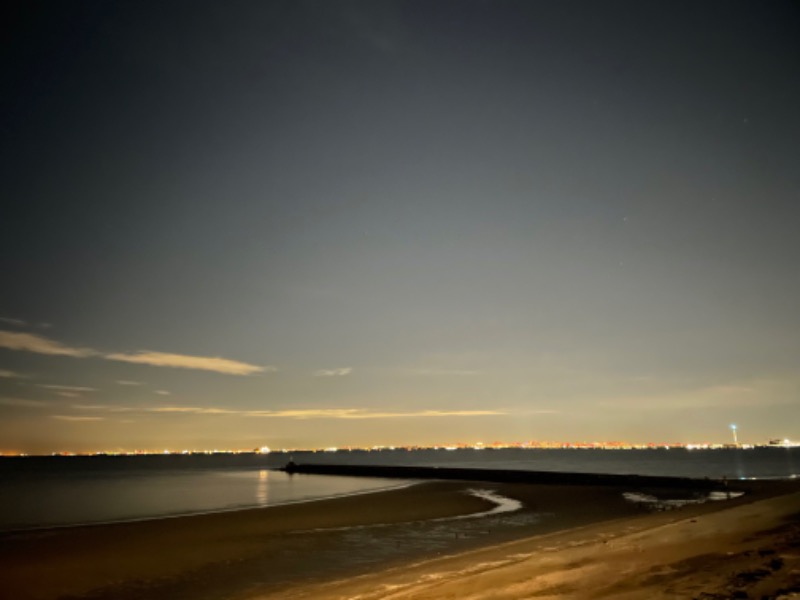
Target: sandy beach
(750, 550)
(565, 542)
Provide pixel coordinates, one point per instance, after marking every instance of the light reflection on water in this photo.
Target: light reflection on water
(262, 489)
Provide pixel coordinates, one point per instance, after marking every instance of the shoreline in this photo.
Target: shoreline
(268, 552)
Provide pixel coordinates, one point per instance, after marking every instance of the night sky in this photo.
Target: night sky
(294, 224)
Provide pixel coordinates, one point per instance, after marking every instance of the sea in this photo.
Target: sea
(54, 491)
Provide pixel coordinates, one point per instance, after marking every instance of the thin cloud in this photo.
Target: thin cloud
(76, 419)
(193, 410)
(128, 382)
(22, 402)
(456, 372)
(324, 413)
(424, 413)
(15, 322)
(4, 374)
(103, 407)
(163, 393)
(29, 342)
(333, 372)
(67, 388)
(310, 413)
(183, 361)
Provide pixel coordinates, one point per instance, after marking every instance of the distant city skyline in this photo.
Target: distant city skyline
(316, 224)
(461, 446)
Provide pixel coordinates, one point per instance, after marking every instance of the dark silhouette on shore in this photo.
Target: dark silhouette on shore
(508, 476)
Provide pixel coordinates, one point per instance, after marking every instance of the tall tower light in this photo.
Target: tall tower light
(735, 437)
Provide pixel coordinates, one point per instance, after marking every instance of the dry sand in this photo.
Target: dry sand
(568, 542)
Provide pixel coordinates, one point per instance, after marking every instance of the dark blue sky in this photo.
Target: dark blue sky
(318, 223)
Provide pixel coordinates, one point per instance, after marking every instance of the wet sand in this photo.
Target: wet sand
(395, 544)
(744, 548)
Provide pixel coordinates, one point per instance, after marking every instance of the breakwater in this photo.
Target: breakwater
(508, 476)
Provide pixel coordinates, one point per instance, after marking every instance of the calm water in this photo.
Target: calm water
(69, 494)
(44, 491)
